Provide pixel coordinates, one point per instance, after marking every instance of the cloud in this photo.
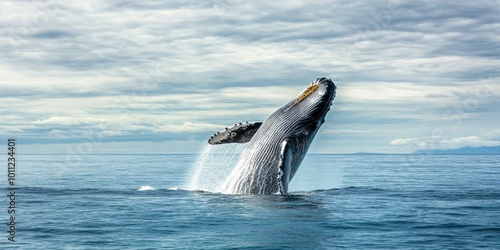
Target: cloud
(405, 141)
(188, 127)
(345, 131)
(65, 120)
(436, 96)
(492, 135)
(488, 138)
(177, 70)
(52, 34)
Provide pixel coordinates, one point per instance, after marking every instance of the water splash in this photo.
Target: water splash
(146, 188)
(213, 166)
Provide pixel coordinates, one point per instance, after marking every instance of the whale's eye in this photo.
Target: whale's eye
(307, 92)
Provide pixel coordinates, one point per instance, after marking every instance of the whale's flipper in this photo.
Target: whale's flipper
(239, 133)
(285, 165)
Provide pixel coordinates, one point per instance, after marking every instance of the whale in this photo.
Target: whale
(276, 147)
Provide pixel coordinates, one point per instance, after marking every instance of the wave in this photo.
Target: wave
(93, 191)
(70, 191)
(146, 188)
(431, 194)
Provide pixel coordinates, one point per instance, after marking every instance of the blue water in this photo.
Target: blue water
(337, 201)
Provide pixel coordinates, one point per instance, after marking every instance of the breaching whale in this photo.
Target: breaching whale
(277, 146)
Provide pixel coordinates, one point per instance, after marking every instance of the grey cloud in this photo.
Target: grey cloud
(436, 96)
(53, 34)
(460, 28)
(126, 51)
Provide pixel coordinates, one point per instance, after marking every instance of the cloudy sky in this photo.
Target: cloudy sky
(162, 76)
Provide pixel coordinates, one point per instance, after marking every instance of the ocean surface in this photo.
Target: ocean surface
(336, 202)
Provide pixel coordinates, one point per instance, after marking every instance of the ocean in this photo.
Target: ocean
(335, 202)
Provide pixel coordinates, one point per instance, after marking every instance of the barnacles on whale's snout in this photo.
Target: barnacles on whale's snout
(307, 92)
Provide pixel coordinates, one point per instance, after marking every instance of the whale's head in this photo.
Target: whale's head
(312, 104)
(302, 117)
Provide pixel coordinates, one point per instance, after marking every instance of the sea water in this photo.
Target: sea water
(336, 201)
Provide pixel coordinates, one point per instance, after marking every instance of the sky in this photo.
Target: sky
(154, 77)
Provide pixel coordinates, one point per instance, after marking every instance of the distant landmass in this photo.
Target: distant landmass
(370, 153)
(462, 151)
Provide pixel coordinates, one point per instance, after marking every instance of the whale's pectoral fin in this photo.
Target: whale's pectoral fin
(285, 165)
(239, 133)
